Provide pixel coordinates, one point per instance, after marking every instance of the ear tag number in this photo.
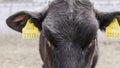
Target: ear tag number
(30, 31)
(113, 30)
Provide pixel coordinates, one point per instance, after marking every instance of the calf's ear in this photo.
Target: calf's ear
(105, 18)
(17, 21)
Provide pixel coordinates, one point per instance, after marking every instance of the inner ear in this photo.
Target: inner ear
(118, 18)
(20, 18)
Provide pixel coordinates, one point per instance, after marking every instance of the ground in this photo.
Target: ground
(16, 52)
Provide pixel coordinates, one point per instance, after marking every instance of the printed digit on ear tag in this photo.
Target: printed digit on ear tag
(113, 30)
(30, 31)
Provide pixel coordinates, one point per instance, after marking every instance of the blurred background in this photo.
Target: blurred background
(16, 52)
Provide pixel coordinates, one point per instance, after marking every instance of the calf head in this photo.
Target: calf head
(70, 37)
(66, 43)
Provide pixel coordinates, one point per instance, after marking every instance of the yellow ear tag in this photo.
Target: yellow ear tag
(113, 30)
(30, 31)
